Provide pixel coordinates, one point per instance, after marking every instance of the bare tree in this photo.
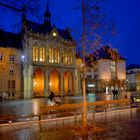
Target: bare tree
(20, 8)
(95, 27)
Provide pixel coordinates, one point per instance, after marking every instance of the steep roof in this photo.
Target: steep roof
(105, 52)
(8, 39)
(43, 28)
(133, 66)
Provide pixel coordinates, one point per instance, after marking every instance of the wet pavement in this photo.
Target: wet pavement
(32, 107)
(118, 125)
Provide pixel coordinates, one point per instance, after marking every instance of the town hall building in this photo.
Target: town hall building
(41, 59)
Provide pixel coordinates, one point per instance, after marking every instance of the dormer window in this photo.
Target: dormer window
(54, 34)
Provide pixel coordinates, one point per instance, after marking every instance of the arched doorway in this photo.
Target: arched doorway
(38, 83)
(68, 83)
(54, 82)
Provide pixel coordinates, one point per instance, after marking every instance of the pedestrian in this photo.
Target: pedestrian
(125, 96)
(116, 93)
(113, 92)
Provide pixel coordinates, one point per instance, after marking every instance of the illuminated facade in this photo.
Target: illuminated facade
(133, 77)
(109, 70)
(45, 61)
(10, 65)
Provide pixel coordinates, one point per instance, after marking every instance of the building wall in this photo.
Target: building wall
(103, 80)
(104, 69)
(10, 73)
(121, 70)
(133, 79)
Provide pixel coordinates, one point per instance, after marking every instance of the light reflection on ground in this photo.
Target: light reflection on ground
(124, 125)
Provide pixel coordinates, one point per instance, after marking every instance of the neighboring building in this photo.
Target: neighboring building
(133, 77)
(90, 83)
(109, 70)
(43, 59)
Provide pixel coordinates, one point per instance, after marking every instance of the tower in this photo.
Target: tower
(47, 16)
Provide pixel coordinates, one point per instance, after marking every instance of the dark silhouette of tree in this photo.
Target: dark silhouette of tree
(20, 8)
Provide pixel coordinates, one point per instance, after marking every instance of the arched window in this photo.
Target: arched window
(56, 56)
(42, 54)
(51, 60)
(35, 53)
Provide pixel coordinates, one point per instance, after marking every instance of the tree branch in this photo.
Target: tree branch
(11, 7)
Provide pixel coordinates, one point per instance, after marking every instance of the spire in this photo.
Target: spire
(47, 15)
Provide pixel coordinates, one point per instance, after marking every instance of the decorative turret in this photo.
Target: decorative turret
(47, 16)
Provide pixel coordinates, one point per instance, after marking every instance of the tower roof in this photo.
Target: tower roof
(47, 12)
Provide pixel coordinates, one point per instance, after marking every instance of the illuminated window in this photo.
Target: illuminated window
(62, 57)
(35, 53)
(65, 58)
(47, 55)
(113, 69)
(1, 57)
(56, 56)
(51, 60)
(11, 58)
(42, 54)
(70, 60)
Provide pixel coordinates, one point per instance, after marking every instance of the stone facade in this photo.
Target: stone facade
(44, 61)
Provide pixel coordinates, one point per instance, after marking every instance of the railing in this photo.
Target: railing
(103, 106)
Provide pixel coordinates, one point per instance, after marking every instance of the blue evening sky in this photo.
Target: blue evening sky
(126, 14)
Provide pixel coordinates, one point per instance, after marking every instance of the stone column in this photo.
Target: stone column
(46, 83)
(74, 83)
(28, 81)
(62, 83)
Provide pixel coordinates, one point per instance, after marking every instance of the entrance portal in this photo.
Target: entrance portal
(68, 83)
(38, 83)
(54, 82)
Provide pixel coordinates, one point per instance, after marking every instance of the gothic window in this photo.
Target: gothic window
(51, 53)
(65, 58)
(11, 58)
(42, 54)
(35, 53)
(47, 54)
(56, 56)
(70, 59)
(62, 57)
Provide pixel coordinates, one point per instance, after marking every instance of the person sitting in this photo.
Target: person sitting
(51, 100)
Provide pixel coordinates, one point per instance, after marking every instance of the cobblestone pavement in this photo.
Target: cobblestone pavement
(124, 125)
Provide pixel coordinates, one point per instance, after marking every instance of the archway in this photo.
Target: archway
(38, 83)
(68, 88)
(54, 82)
